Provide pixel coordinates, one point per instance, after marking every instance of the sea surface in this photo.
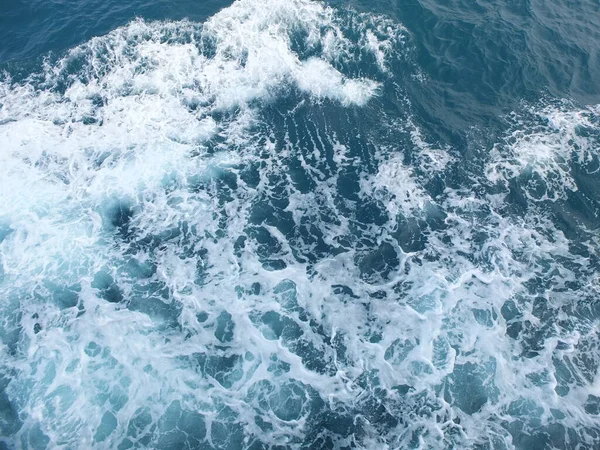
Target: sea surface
(300, 224)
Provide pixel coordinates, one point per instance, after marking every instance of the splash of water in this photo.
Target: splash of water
(214, 236)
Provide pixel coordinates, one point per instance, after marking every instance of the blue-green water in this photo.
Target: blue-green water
(295, 224)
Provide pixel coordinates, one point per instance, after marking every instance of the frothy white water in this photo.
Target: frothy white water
(144, 100)
(545, 152)
(106, 339)
(195, 255)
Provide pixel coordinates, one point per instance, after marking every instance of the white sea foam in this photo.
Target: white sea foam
(395, 186)
(546, 150)
(177, 256)
(117, 146)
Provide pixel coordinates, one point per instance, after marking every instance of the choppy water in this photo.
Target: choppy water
(281, 224)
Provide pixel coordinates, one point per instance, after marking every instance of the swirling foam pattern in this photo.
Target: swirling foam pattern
(236, 234)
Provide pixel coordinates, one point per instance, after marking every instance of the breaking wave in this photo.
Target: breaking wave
(236, 235)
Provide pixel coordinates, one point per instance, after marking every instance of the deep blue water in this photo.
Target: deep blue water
(272, 224)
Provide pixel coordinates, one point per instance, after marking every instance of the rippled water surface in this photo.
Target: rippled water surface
(298, 224)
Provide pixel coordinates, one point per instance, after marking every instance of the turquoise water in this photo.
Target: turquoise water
(272, 224)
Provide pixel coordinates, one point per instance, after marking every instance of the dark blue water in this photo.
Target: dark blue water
(272, 224)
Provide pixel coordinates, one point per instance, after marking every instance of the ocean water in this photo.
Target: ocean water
(300, 224)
